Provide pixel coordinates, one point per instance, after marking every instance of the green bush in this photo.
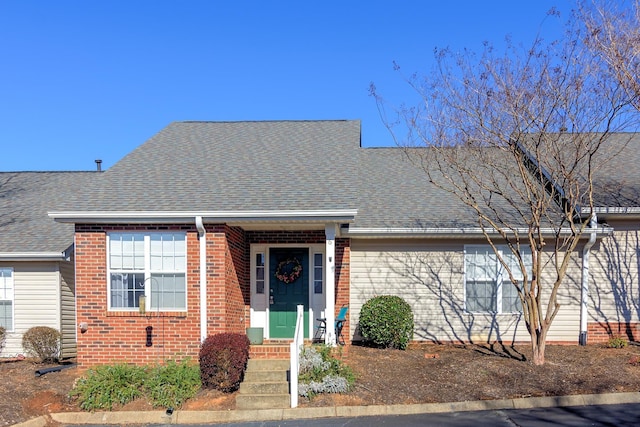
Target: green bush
(170, 385)
(108, 385)
(166, 386)
(223, 360)
(42, 342)
(387, 321)
(617, 342)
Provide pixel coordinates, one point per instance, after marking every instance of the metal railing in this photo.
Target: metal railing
(295, 347)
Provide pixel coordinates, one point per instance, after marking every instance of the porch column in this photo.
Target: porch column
(330, 262)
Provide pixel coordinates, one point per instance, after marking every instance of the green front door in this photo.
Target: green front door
(288, 288)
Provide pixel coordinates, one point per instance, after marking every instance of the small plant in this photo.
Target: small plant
(223, 360)
(170, 385)
(3, 335)
(42, 342)
(108, 385)
(387, 321)
(322, 373)
(617, 342)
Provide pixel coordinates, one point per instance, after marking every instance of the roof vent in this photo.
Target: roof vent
(98, 165)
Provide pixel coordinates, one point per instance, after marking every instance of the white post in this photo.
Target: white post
(330, 258)
(294, 348)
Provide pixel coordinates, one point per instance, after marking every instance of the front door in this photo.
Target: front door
(288, 288)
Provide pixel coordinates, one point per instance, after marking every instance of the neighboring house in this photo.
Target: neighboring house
(36, 257)
(218, 226)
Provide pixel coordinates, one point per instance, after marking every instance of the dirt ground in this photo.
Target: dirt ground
(421, 374)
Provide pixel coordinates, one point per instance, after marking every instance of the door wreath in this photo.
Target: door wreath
(289, 270)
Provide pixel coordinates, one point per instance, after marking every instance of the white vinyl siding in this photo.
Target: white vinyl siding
(151, 265)
(67, 309)
(614, 276)
(429, 275)
(36, 301)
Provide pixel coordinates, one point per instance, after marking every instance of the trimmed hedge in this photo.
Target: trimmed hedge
(387, 321)
(223, 360)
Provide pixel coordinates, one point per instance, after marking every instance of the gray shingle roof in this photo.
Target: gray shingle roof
(298, 165)
(226, 166)
(25, 199)
(617, 180)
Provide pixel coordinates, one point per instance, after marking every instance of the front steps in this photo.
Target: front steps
(265, 385)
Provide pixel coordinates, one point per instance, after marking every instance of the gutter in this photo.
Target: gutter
(453, 233)
(202, 237)
(33, 256)
(168, 217)
(584, 293)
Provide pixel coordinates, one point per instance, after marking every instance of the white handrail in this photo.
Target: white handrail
(295, 347)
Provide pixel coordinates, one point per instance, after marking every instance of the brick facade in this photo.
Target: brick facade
(599, 332)
(121, 336)
(113, 336)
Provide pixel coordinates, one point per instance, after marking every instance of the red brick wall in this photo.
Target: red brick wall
(599, 332)
(216, 259)
(238, 297)
(121, 336)
(343, 259)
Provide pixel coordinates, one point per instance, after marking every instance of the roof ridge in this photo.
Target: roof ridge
(54, 171)
(269, 121)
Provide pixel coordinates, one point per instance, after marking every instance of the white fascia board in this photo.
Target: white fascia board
(32, 256)
(125, 217)
(455, 233)
(611, 211)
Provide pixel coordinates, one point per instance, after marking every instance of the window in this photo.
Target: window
(317, 273)
(6, 298)
(150, 265)
(487, 285)
(260, 273)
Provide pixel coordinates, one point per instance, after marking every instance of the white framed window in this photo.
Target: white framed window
(318, 273)
(488, 288)
(259, 272)
(150, 265)
(6, 298)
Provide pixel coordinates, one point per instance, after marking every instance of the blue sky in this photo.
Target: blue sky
(82, 80)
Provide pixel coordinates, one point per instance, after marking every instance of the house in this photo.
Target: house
(36, 257)
(219, 226)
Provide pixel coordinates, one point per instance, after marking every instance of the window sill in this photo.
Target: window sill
(148, 314)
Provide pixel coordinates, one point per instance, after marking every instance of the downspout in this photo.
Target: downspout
(584, 295)
(202, 237)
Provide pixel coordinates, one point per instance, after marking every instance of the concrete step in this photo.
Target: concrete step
(265, 376)
(268, 365)
(262, 401)
(265, 385)
(281, 387)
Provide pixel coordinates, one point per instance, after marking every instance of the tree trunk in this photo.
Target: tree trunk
(538, 346)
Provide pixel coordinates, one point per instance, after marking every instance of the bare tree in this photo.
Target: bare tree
(613, 32)
(517, 137)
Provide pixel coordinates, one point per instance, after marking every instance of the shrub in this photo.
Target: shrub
(387, 321)
(322, 373)
(107, 385)
(223, 360)
(3, 335)
(617, 342)
(42, 342)
(170, 385)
